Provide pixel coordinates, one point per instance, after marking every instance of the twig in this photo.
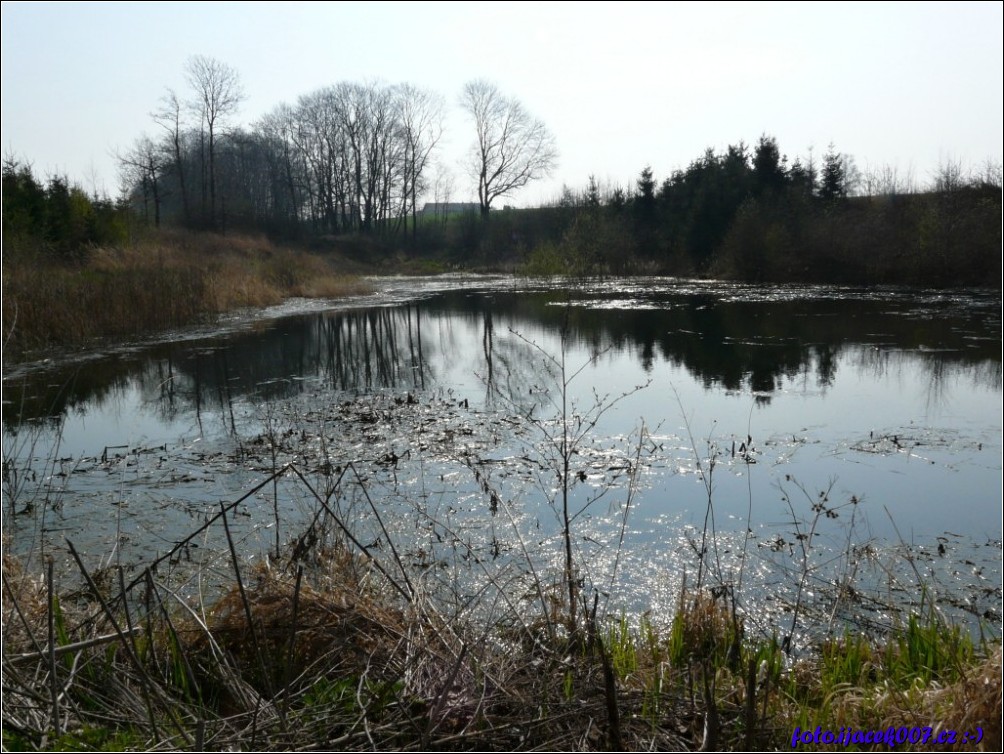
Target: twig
(53, 680)
(58, 651)
(390, 541)
(223, 509)
(17, 608)
(376, 563)
(632, 487)
(292, 632)
(437, 706)
(126, 644)
(246, 604)
(706, 480)
(615, 742)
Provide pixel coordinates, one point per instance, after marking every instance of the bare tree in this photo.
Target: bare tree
(949, 176)
(421, 123)
(989, 176)
(169, 118)
(142, 166)
(443, 186)
(345, 158)
(317, 137)
(278, 128)
(512, 148)
(217, 93)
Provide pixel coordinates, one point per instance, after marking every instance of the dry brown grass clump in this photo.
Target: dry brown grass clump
(975, 700)
(332, 624)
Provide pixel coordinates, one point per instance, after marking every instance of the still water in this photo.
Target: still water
(811, 442)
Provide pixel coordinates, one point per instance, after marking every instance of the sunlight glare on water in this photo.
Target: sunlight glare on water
(873, 417)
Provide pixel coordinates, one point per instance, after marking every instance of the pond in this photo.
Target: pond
(827, 456)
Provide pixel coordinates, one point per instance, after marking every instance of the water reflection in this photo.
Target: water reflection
(429, 396)
(724, 343)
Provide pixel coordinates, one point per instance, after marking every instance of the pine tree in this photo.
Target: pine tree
(833, 185)
(768, 171)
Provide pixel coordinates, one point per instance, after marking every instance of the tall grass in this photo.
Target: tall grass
(168, 279)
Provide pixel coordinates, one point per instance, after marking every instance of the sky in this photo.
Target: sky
(621, 86)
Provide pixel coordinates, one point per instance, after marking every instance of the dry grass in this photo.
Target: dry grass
(972, 700)
(334, 624)
(169, 279)
(333, 659)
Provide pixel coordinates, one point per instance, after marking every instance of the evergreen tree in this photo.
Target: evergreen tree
(618, 200)
(833, 185)
(768, 171)
(801, 179)
(592, 193)
(644, 200)
(23, 201)
(643, 206)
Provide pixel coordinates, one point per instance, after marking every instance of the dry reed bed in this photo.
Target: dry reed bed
(170, 279)
(330, 664)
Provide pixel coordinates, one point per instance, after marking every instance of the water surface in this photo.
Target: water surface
(841, 436)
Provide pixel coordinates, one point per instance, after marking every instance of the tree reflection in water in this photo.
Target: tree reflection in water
(847, 372)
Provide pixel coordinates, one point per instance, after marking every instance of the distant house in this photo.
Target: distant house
(443, 209)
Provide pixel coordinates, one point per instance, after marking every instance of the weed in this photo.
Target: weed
(563, 429)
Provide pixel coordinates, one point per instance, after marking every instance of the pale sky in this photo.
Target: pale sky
(621, 86)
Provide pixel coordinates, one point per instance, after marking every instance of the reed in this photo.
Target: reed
(165, 280)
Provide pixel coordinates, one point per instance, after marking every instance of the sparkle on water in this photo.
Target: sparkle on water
(848, 441)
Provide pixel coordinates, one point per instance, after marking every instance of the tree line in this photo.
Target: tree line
(354, 159)
(750, 213)
(684, 219)
(55, 217)
(346, 158)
